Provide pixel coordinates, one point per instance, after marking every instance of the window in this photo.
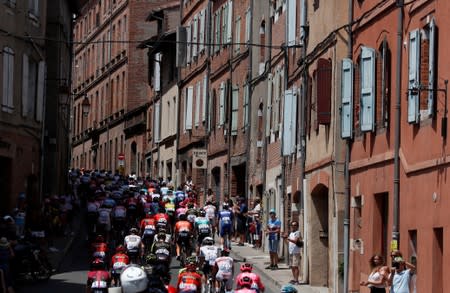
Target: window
(33, 7)
(188, 108)
(324, 76)
(234, 109)
(367, 107)
(8, 80)
(248, 23)
(383, 85)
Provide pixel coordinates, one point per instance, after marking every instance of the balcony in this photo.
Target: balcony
(136, 124)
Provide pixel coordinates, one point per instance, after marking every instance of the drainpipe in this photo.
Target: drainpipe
(229, 97)
(208, 73)
(249, 111)
(395, 227)
(302, 141)
(346, 165)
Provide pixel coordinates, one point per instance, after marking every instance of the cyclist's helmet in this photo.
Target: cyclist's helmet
(246, 267)
(161, 235)
(182, 217)
(225, 206)
(100, 239)
(225, 252)
(133, 231)
(191, 263)
(208, 241)
(190, 205)
(133, 279)
(98, 264)
(120, 249)
(150, 259)
(245, 282)
(288, 289)
(202, 213)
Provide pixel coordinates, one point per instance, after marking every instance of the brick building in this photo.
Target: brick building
(398, 160)
(109, 69)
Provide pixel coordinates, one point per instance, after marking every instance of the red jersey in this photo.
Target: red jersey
(256, 280)
(171, 289)
(99, 249)
(119, 261)
(161, 218)
(189, 282)
(98, 279)
(183, 226)
(150, 222)
(131, 202)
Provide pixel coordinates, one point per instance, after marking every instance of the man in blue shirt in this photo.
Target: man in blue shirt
(273, 231)
(401, 275)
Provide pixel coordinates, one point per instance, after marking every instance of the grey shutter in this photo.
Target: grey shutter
(217, 31)
(293, 119)
(157, 123)
(413, 76)
(245, 105)
(234, 110)
(237, 36)
(202, 25)
(222, 104)
(291, 27)
(224, 24)
(230, 22)
(25, 77)
(205, 96)
(195, 36)
(347, 99)
(432, 67)
(269, 103)
(197, 104)
(248, 22)
(40, 91)
(181, 47)
(287, 122)
(188, 43)
(367, 110)
(157, 72)
(188, 119)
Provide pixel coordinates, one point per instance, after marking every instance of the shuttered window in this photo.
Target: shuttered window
(269, 103)
(245, 105)
(198, 93)
(367, 111)
(347, 99)
(324, 75)
(289, 121)
(413, 76)
(222, 103)
(40, 91)
(188, 107)
(204, 96)
(234, 109)
(291, 27)
(25, 80)
(8, 80)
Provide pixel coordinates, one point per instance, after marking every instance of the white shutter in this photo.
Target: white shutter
(291, 27)
(413, 76)
(224, 23)
(195, 36)
(157, 72)
(25, 77)
(230, 22)
(347, 99)
(431, 67)
(222, 104)
(202, 25)
(197, 103)
(40, 91)
(269, 103)
(217, 31)
(278, 91)
(367, 110)
(245, 105)
(237, 36)
(287, 122)
(157, 124)
(188, 114)
(248, 22)
(234, 110)
(205, 96)
(188, 43)
(293, 119)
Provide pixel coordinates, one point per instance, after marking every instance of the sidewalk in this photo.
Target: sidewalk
(260, 260)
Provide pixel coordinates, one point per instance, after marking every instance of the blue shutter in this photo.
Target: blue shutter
(287, 122)
(367, 89)
(234, 110)
(347, 99)
(291, 21)
(432, 67)
(413, 76)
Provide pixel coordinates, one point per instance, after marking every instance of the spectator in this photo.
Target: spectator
(241, 220)
(401, 274)
(6, 254)
(379, 275)
(295, 242)
(273, 232)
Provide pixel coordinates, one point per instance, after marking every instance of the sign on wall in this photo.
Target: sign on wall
(199, 159)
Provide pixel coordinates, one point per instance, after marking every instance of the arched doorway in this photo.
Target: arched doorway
(319, 240)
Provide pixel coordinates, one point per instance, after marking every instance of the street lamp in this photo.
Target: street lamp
(85, 107)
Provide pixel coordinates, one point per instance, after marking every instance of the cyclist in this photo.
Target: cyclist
(245, 286)
(208, 255)
(148, 229)
(92, 214)
(162, 221)
(134, 245)
(211, 214)
(190, 279)
(223, 270)
(225, 225)
(191, 213)
(169, 207)
(183, 234)
(104, 220)
(119, 217)
(202, 228)
(246, 272)
(118, 262)
(132, 205)
(99, 248)
(161, 249)
(98, 277)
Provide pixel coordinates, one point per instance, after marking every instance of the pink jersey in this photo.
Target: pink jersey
(256, 280)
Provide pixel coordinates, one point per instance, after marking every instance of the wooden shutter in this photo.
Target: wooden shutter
(324, 75)
(277, 88)
(413, 76)
(198, 93)
(189, 98)
(367, 111)
(25, 77)
(40, 91)
(432, 67)
(205, 96)
(291, 27)
(248, 23)
(237, 36)
(217, 31)
(347, 99)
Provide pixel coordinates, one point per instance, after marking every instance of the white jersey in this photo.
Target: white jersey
(210, 253)
(132, 242)
(210, 211)
(225, 267)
